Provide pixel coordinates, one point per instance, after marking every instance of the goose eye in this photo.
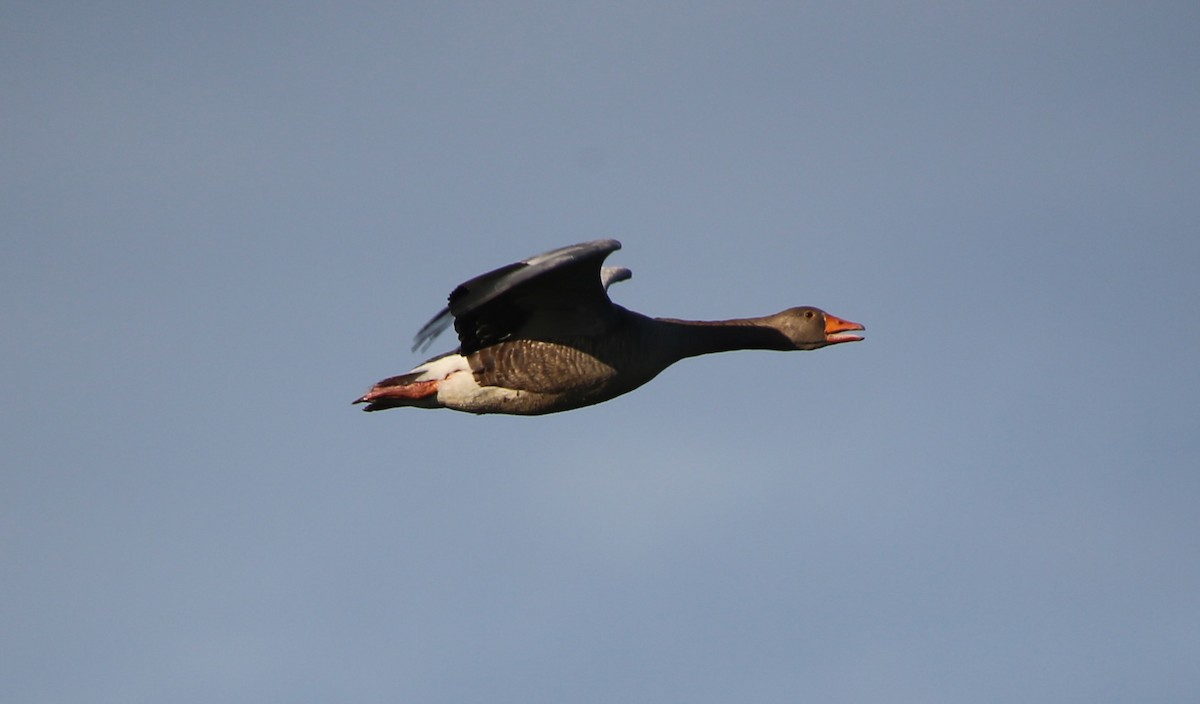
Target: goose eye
(808, 314)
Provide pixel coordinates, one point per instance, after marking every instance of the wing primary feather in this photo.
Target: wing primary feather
(610, 275)
(429, 331)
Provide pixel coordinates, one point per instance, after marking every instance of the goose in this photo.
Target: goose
(542, 336)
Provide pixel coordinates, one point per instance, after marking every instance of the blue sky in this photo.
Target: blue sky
(222, 222)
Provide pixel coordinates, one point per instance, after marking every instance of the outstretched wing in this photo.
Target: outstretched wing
(555, 294)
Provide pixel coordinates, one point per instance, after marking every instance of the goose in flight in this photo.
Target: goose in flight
(541, 336)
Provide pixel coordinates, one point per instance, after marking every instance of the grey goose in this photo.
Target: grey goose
(542, 336)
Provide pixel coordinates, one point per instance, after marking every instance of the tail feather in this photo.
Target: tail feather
(418, 387)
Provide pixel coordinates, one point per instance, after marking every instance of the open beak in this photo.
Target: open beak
(836, 329)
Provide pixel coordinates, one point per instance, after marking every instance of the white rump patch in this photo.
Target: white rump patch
(442, 367)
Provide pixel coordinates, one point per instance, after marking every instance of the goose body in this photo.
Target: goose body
(541, 336)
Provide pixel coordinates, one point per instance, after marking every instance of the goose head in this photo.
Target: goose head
(811, 328)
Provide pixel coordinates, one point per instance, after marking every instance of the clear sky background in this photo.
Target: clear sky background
(221, 222)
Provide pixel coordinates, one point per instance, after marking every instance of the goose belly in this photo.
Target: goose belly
(533, 378)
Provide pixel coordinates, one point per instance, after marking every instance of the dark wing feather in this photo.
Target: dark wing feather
(557, 293)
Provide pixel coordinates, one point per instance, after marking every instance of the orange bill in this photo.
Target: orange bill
(836, 329)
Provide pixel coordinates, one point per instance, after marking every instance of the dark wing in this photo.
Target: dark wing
(554, 294)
